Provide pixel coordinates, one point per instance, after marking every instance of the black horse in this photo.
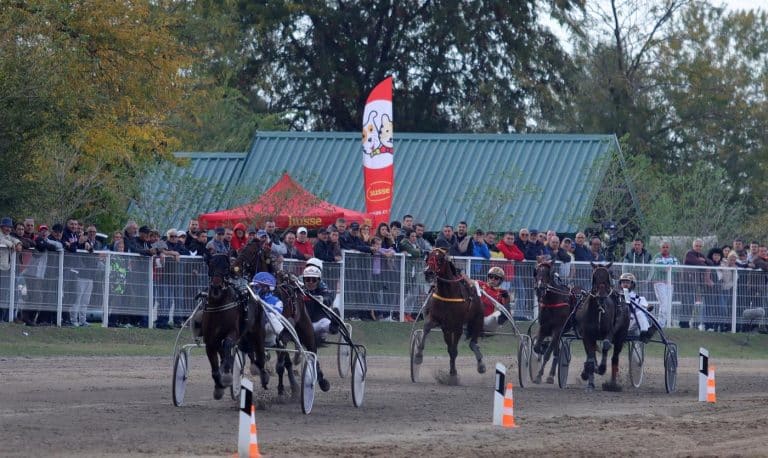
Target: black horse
(294, 310)
(221, 324)
(602, 317)
(452, 304)
(555, 305)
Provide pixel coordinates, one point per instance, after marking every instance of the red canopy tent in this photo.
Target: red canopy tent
(289, 205)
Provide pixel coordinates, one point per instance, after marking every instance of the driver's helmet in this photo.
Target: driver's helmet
(264, 279)
(311, 272)
(315, 262)
(497, 271)
(628, 277)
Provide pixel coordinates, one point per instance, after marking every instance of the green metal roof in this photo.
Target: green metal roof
(433, 172)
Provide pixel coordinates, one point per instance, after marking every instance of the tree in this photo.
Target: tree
(488, 204)
(89, 86)
(458, 66)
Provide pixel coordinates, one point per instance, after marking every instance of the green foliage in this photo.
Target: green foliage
(488, 202)
(458, 66)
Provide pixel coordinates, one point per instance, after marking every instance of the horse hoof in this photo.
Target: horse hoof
(280, 391)
(601, 369)
(264, 379)
(325, 385)
(218, 393)
(537, 379)
(551, 380)
(612, 386)
(481, 368)
(584, 376)
(590, 387)
(418, 358)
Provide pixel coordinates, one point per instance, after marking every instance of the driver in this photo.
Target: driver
(317, 289)
(264, 283)
(492, 317)
(637, 319)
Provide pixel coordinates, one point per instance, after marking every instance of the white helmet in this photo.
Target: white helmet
(315, 262)
(311, 272)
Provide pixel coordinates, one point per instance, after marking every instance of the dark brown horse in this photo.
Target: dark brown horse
(295, 311)
(555, 305)
(602, 317)
(221, 324)
(452, 304)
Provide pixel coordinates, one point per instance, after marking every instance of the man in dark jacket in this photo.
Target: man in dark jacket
(464, 244)
(352, 240)
(446, 239)
(638, 254)
(323, 249)
(697, 279)
(535, 247)
(580, 249)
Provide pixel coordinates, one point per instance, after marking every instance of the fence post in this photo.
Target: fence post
(342, 290)
(12, 287)
(60, 299)
(105, 297)
(402, 287)
(670, 293)
(734, 300)
(150, 319)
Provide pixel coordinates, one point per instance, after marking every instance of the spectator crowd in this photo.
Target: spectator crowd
(30, 242)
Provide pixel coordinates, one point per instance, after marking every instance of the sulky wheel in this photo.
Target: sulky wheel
(308, 379)
(416, 338)
(343, 357)
(563, 363)
(670, 367)
(636, 361)
(359, 370)
(180, 376)
(524, 360)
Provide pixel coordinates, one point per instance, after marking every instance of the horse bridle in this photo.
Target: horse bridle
(434, 264)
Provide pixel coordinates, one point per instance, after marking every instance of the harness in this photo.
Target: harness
(448, 299)
(221, 308)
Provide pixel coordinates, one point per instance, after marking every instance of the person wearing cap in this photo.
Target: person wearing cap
(352, 240)
(303, 244)
(264, 283)
(239, 237)
(638, 320)
(219, 245)
(251, 234)
(535, 246)
(323, 248)
(315, 288)
(492, 317)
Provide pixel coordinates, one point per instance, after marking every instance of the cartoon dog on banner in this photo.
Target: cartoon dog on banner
(377, 139)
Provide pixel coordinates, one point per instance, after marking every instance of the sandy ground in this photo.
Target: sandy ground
(123, 406)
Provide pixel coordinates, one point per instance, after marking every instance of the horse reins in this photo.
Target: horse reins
(221, 308)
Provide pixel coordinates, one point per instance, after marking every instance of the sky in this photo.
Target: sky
(729, 4)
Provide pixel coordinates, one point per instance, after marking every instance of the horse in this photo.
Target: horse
(221, 323)
(294, 310)
(602, 317)
(556, 302)
(453, 302)
(254, 257)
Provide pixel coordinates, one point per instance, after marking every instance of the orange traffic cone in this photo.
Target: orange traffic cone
(253, 447)
(711, 397)
(508, 412)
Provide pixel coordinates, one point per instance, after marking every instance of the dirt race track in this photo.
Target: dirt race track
(122, 406)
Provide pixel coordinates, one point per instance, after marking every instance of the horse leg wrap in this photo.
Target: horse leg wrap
(589, 369)
(606, 345)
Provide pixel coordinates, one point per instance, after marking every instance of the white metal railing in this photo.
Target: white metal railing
(116, 288)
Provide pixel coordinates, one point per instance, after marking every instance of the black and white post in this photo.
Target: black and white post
(498, 393)
(703, 373)
(244, 429)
